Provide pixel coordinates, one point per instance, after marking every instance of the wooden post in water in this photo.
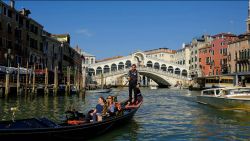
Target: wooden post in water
(102, 81)
(7, 80)
(34, 79)
(55, 89)
(78, 80)
(83, 80)
(18, 81)
(75, 76)
(26, 78)
(68, 81)
(46, 90)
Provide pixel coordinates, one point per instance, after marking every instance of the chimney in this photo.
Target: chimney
(12, 3)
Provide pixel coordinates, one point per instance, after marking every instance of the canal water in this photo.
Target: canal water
(166, 114)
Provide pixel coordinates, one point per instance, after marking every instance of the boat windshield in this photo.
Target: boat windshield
(240, 91)
(208, 92)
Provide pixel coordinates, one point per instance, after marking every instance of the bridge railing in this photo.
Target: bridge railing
(146, 69)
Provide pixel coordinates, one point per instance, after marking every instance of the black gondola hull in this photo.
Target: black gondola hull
(69, 132)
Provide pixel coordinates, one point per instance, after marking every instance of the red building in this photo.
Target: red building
(219, 52)
(205, 59)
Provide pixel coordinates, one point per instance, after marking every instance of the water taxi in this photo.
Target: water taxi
(226, 98)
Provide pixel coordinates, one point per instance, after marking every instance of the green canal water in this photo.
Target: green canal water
(166, 114)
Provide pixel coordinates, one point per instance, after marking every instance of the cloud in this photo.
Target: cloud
(84, 32)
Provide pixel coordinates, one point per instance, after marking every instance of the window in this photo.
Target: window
(9, 13)
(195, 65)
(1, 42)
(183, 62)
(27, 25)
(195, 58)
(17, 16)
(1, 9)
(207, 60)
(195, 51)
(199, 59)
(4, 11)
(220, 51)
(9, 28)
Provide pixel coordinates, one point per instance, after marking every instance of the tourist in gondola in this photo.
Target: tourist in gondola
(134, 82)
(111, 106)
(97, 113)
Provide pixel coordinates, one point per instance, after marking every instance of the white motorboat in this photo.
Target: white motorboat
(153, 87)
(226, 98)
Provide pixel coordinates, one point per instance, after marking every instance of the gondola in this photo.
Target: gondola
(44, 129)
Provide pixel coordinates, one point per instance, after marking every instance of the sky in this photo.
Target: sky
(111, 28)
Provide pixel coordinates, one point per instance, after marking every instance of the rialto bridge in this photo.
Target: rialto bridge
(114, 71)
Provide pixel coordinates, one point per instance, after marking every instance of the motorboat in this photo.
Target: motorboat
(226, 98)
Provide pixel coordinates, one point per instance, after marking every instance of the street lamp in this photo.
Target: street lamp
(8, 56)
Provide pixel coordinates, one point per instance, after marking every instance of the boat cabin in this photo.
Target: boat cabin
(226, 92)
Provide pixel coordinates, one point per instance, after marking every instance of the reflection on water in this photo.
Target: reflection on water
(165, 115)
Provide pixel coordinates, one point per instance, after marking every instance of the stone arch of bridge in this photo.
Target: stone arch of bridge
(158, 79)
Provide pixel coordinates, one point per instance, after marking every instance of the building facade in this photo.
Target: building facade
(196, 44)
(219, 59)
(24, 41)
(205, 60)
(239, 54)
(182, 56)
(161, 53)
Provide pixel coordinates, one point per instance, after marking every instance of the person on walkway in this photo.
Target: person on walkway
(134, 82)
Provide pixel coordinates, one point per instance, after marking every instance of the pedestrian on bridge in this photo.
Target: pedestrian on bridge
(134, 82)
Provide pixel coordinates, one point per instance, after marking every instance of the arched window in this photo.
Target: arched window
(184, 72)
(9, 28)
(170, 69)
(92, 60)
(98, 70)
(106, 69)
(113, 67)
(128, 64)
(177, 71)
(163, 67)
(156, 65)
(91, 71)
(149, 64)
(87, 61)
(121, 66)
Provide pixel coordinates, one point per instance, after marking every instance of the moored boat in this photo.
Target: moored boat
(44, 129)
(226, 98)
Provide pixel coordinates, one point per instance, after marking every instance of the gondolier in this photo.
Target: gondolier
(134, 82)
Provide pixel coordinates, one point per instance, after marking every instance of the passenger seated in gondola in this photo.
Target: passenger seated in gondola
(119, 108)
(111, 106)
(97, 113)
